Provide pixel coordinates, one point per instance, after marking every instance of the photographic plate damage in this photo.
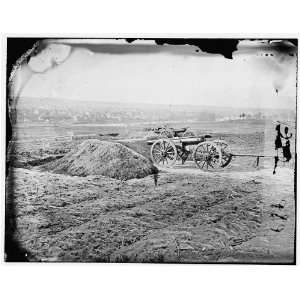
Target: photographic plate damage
(151, 150)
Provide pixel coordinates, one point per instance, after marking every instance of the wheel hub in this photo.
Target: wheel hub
(207, 157)
(164, 154)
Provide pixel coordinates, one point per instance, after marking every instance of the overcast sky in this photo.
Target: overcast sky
(162, 74)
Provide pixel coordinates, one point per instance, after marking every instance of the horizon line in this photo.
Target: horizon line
(151, 103)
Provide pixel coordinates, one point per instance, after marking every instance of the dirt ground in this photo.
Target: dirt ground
(239, 214)
(191, 216)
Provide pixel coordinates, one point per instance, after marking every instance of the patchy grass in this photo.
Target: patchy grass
(184, 219)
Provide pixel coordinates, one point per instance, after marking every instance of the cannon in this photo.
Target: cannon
(206, 154)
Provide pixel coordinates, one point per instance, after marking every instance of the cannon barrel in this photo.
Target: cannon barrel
(185, 140)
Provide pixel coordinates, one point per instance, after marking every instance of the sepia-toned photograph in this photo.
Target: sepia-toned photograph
(151, 150)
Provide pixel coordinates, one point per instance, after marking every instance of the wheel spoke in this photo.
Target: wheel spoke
(170, 150)
(210, 164)
(171, 156)
(156, 151)
(158, 158)
(199, 158)
(214, 159)
(212, 150)
(158, 155)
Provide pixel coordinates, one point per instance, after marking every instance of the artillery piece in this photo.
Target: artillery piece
(207, 155)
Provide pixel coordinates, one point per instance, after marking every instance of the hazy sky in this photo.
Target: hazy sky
(163, 74)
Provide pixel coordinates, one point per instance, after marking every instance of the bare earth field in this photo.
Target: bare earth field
(240, 214)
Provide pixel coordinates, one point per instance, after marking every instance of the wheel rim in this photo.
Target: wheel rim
(226, 153)
(164, 153)
(207, 156)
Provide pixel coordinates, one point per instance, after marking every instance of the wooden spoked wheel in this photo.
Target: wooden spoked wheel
(207, 156)
(226, 153)
(164, 153)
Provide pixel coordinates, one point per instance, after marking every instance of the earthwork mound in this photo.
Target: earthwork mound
(94, 157)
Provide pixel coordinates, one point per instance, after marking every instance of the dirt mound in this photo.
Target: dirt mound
(94, 157)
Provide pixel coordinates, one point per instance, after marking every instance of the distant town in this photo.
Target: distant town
(46, 111)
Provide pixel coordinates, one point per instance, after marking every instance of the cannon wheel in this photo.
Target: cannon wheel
(164, 153)
(207, 156)
(226, 153)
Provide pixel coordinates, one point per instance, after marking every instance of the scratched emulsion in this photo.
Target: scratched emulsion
(244, 74)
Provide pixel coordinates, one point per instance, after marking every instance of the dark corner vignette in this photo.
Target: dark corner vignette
(16, 48)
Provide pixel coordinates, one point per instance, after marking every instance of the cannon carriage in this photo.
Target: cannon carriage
(210, 154)
(207, 155)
